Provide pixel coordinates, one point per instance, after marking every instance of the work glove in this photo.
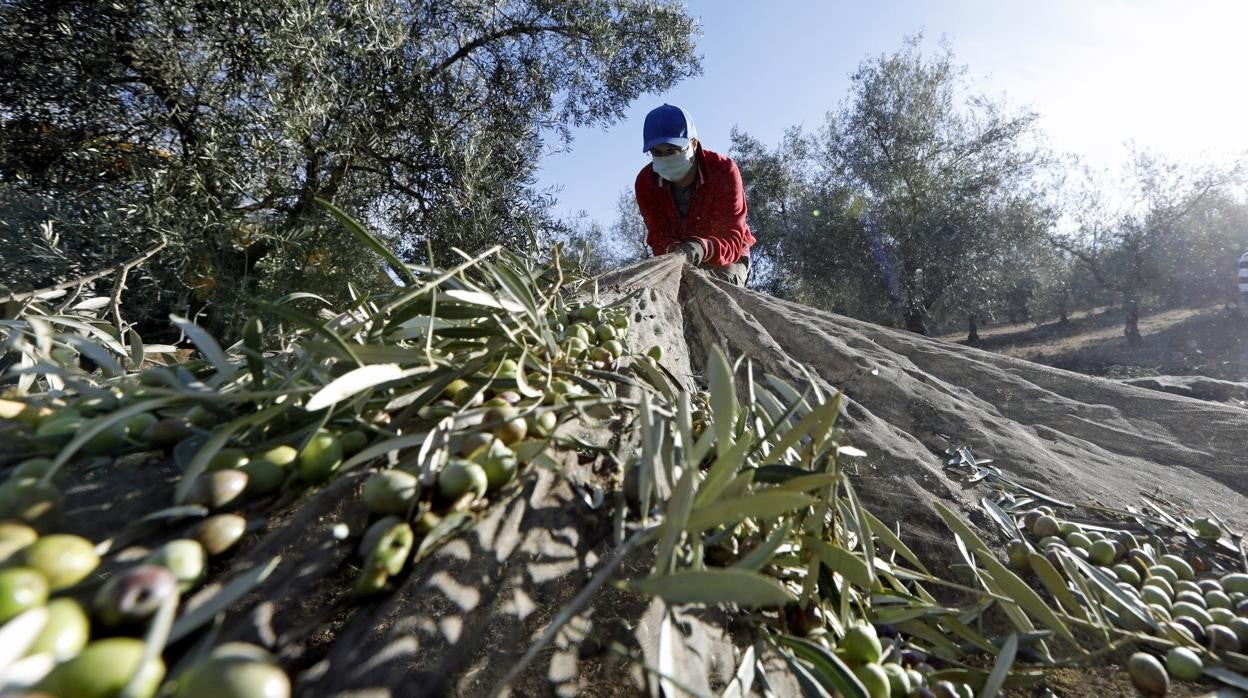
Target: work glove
(691, 249)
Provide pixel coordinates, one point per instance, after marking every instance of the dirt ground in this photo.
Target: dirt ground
(1210, 342)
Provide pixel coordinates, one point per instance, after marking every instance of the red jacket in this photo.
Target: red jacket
(716, 212)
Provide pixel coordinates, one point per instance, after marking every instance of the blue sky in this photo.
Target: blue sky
(1166, 74)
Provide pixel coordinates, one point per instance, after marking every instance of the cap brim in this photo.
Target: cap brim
(650, 144)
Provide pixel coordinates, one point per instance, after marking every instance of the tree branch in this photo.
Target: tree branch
(125, 266)
(518, 30)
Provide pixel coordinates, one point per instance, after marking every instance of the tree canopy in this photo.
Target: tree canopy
(911, 188)
(216, 125)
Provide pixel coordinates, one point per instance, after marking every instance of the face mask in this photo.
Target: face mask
(674, 167)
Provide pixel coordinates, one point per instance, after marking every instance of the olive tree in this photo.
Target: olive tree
(1167, 232)
(217, 124)
(942, 175)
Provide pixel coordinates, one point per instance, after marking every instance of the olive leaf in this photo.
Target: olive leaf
(714, 586)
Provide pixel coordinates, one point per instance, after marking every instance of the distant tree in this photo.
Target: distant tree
(216, 124)
(939, 175)
(627, 234)
(1174, 221)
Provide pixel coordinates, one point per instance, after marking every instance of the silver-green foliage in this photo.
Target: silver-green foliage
(217, 124)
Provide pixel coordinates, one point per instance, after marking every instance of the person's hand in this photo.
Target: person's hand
(691, 249)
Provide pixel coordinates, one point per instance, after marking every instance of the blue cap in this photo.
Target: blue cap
(668, 124)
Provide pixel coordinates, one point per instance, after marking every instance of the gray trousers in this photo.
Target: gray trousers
(735, 273)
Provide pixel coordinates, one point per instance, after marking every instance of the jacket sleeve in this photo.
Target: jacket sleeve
(656, 231)
(728, 237)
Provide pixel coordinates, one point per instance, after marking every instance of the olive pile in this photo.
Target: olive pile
(592, 332)
(503, 430)
(85, 644)
(88, 645)
(905, 676)
(1204, 613)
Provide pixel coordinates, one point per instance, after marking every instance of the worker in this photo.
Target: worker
(692, 199)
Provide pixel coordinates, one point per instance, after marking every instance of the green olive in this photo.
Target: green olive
(202, 417)
(1179, 565)
(1018, 553)
(62, 558)
(1221, 616)
(605, 332)
(1046, 526)
(468, 396)
(438, 410)
(507, 427)
(97, 404)
(471, 443)
(219, 533)
(899, 683)
(613, 347)
(34, 467)
(1184, 664)
(461, 476)
(167, 433)
(21, 588)
(499, 463)
(103, 669)
(579, 332)
(29, 499)
(65, 633)
(185, 558)
(656, 352)
(374, 532)
(574, 347)
(233, 677)
(105, 442)
(390, 492)
(23, 412)
(59, 428)
(320, 459)
(138, 424)
(507, 368)
(353, 442)
(545, 423)
(13, 538)
(589, 313)
(280, 456)
(1181, 609)
(218, 488)
(1127, 573)
(1236, 582)
(133, 595)
(1075, 539)
(453, 388)
(1166, 573)
(1155, 595)
(1102, 552)
(1207, 529)
(861, 644)
(392, 549)
(873, 678)
(228, 458)
(263, 477)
